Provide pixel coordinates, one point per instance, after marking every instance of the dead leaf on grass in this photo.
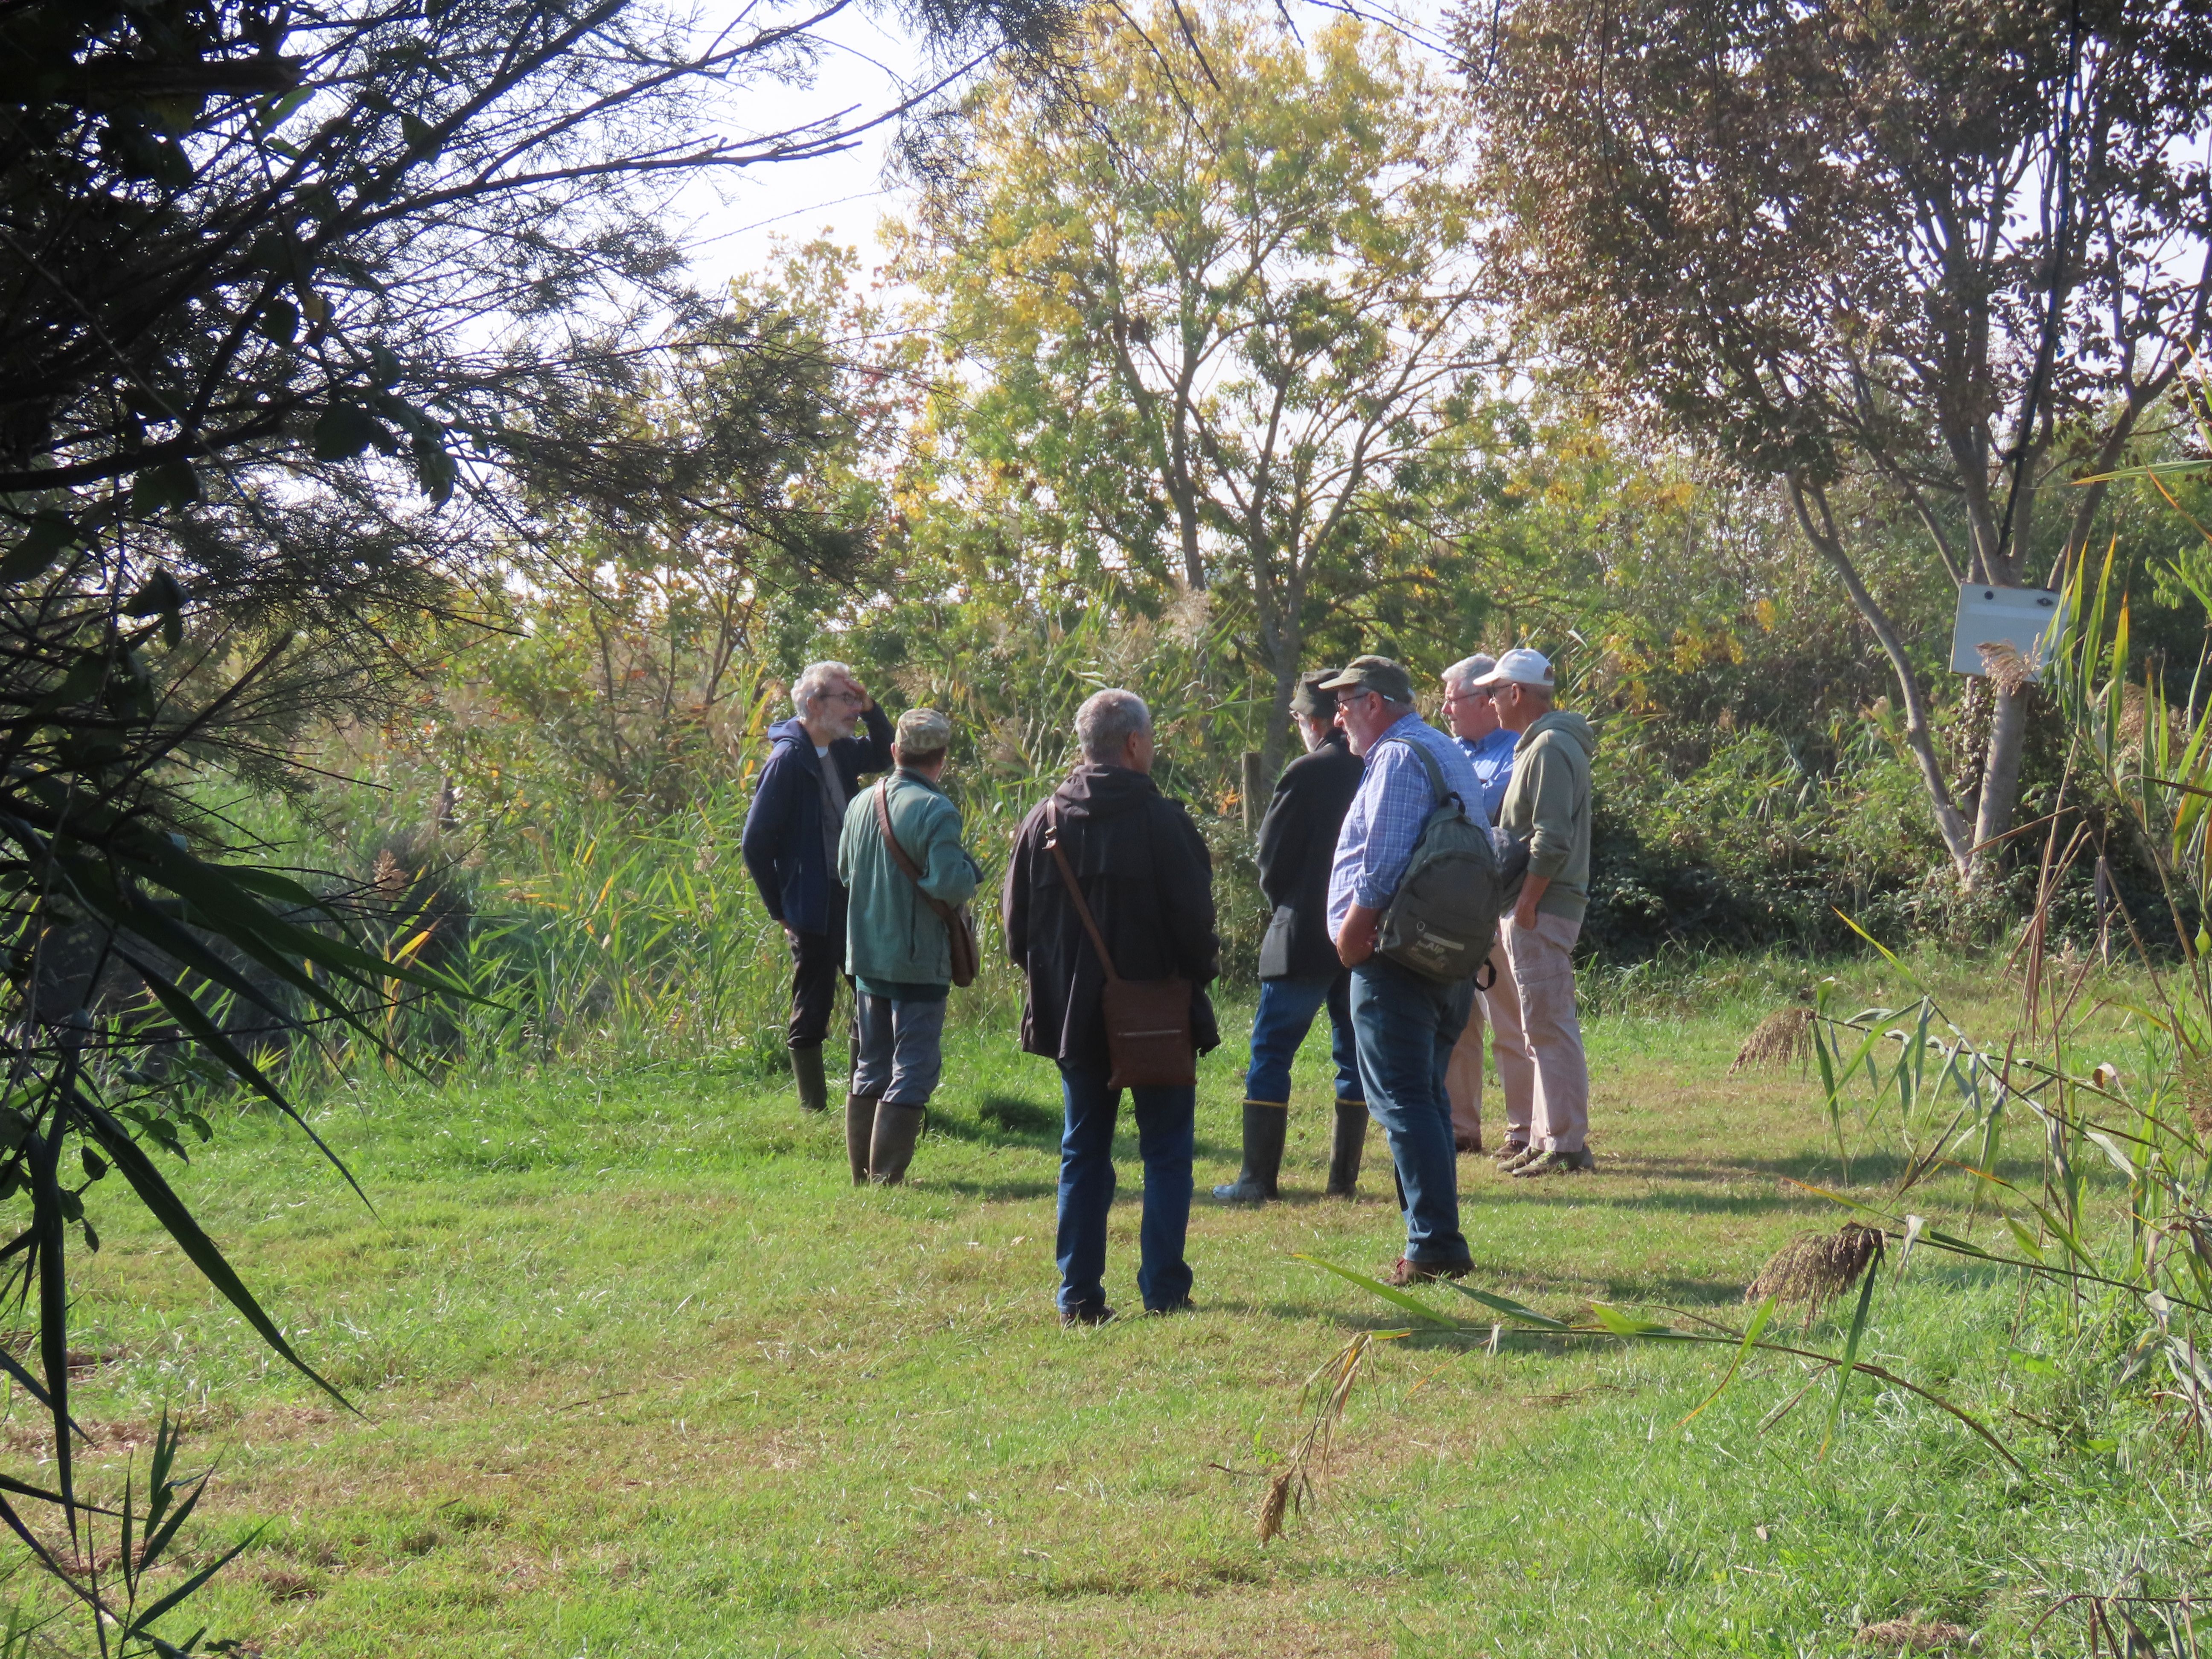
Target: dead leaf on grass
(283, 1585)
(1914, 1635)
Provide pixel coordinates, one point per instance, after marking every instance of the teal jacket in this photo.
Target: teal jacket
(889, 933)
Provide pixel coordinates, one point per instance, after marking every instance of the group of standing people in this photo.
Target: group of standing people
(863, 880)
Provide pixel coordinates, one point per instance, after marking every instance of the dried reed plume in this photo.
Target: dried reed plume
(2192, 1076)
(2011, 672)
(1814, 1269)
(1783, 1036)
(1329, 1388)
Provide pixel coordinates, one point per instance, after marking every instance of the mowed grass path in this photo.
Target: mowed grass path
(640, 1373)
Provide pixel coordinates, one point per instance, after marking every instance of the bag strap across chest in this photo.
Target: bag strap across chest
(907, 865)
(1075, 894)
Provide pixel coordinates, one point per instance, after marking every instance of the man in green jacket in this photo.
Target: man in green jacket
(1548, 806)
(897, 948)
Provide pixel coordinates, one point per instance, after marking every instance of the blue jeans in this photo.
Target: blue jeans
(1407, 1025)
(1287, 1007)
(1086, 1190)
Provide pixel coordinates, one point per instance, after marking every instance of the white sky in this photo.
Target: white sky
(732, 224)
(735, 221)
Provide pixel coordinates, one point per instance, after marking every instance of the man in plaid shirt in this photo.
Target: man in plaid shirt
(1404, 1022)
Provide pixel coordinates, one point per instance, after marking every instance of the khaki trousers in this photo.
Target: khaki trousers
(1500, 1007)
(1544, 975)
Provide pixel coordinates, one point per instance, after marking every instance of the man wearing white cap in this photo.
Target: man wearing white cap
(1547, 805)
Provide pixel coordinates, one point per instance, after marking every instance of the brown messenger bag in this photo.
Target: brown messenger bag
(1148, 1034)
(959, 923)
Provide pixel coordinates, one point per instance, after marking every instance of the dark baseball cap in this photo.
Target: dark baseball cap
(1377, 674)
(1310, 700)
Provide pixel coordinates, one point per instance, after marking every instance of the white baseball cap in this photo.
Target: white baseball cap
(1520, 667)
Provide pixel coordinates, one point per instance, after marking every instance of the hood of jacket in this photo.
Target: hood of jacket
(793, 730)
(1566, 723)
(1100, 793)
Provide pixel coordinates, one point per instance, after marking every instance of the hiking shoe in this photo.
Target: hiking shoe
(1556, 1163)
(1403, 1272)
(1091, 1313)
(1519, 1156)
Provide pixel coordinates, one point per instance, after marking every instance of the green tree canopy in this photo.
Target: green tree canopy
(1941, 248)
(1212, 294)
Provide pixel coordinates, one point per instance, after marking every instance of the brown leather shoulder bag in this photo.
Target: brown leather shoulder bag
(959, 922)
(1148, 1034)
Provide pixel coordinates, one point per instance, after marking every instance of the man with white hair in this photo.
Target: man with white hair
(1472, 715)
(814, 767)
(1144, 875)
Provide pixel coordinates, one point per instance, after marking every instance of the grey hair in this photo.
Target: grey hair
(1466, 671)
(813, 680)
(1106, 722)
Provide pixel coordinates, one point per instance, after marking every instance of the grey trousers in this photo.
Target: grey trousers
(901, 1053)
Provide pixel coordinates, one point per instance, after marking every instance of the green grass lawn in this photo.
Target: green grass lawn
(640, 1373)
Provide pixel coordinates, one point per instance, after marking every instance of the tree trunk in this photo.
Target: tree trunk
(1810, 503)
(2001, 770)
(1274, 741)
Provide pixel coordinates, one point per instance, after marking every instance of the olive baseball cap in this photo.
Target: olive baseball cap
(1377, 674)
(1310, 700)
(923, 732)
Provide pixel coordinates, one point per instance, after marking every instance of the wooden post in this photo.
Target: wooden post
(1253, 784)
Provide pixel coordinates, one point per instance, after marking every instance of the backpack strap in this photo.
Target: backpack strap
(1443, 791)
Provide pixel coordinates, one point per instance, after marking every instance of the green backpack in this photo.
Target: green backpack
(1444, 918)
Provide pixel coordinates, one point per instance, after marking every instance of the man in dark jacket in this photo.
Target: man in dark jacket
(1149, 882)
(791, 846)
(1299, 969)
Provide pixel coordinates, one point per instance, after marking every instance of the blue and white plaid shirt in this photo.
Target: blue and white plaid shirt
(1394, 800)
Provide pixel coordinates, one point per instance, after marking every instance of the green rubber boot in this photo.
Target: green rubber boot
(1265, 1124)
(1351, 1147)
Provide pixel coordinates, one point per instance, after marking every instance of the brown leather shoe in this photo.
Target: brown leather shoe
(1403, 1272)
(1467, 1143)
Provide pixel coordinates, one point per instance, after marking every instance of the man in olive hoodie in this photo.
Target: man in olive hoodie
(1548, 806)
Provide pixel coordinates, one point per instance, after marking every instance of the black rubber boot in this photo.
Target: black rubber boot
(859, 1134)
(1265, 1124)
(897, 1128)
(1351, 1144)
(806, 1069)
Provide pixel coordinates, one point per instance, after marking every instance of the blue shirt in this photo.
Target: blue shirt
(1385, 819)
(1493, 759)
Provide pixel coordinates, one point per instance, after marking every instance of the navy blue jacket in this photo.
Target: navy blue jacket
(783, 826)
